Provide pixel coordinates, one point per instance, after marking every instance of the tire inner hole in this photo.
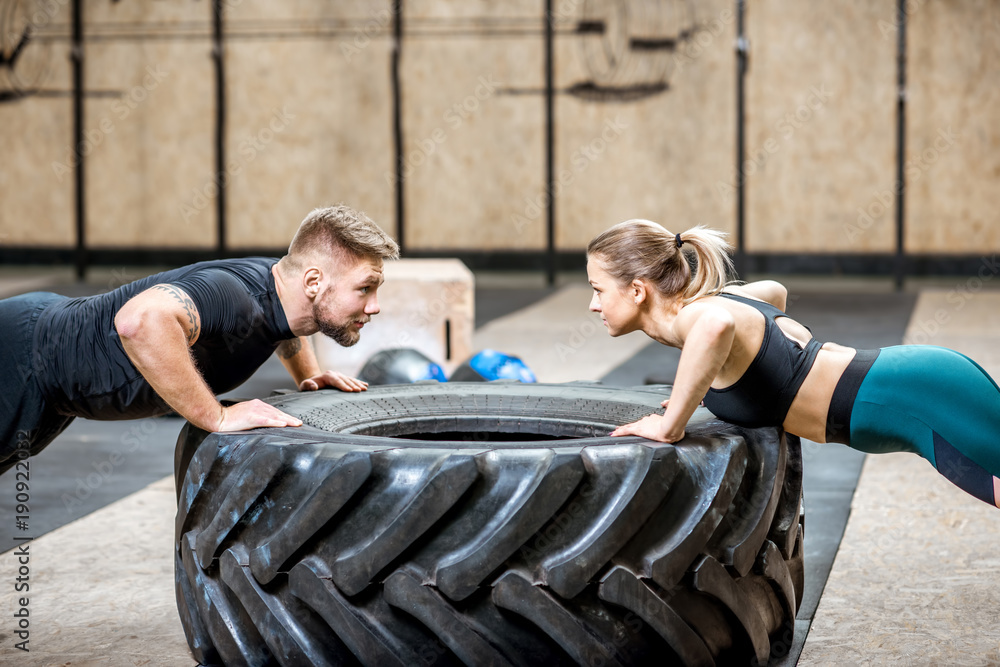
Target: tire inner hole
(482, 436)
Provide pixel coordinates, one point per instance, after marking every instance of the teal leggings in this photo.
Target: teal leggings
(928, 400)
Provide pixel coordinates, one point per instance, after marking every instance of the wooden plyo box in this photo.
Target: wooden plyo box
(426, 304)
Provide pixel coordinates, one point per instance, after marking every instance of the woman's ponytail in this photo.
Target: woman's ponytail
(643, 249)
(714, 263)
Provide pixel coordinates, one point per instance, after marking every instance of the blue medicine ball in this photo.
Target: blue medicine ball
(493, 365)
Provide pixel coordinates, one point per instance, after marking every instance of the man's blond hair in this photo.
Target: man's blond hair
(327, 230)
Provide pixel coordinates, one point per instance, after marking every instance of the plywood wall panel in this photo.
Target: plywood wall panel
(309, 124)
(36, 136)
(485, 12)
(953, 128)
(820, 137)
(295, 15)
(651, 134)
(474, 150)
(108, 17)
(150, 174)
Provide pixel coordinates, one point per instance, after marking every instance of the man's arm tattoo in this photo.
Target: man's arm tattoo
(289, 348)
(189, 309)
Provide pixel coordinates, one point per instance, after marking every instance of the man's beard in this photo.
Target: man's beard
(345, 335)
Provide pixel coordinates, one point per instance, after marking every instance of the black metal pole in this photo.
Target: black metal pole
(397, 122)
(220, 125)
(741, 70)
(76, 55)
(900, 260)
(550, 170)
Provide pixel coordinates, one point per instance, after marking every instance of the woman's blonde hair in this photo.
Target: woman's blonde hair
(643, 249)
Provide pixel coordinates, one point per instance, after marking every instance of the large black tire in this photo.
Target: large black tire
(505, 528)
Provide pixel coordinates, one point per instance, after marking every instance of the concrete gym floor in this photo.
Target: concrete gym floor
(913, 580)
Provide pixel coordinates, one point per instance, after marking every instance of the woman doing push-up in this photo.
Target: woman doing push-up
(754, 366)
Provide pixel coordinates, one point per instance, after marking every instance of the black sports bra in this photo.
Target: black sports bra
(764, 393)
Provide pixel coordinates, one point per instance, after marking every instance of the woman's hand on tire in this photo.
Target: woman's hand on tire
(333, 379)
(651, 427)
(254, 414)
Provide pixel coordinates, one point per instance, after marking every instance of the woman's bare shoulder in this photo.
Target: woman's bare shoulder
(712, 307)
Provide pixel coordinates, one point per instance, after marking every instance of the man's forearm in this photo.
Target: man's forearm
(299, 359)
(160, 352)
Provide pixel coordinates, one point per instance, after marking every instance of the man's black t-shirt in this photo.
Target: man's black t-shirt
(83, 369)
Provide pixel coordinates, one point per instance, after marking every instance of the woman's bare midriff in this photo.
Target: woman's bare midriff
(807, 415)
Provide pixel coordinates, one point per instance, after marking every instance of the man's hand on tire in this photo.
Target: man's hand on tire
(254, 414)
(333, 379)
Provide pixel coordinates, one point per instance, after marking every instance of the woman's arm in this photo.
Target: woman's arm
(767, 290)
(707, 333)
